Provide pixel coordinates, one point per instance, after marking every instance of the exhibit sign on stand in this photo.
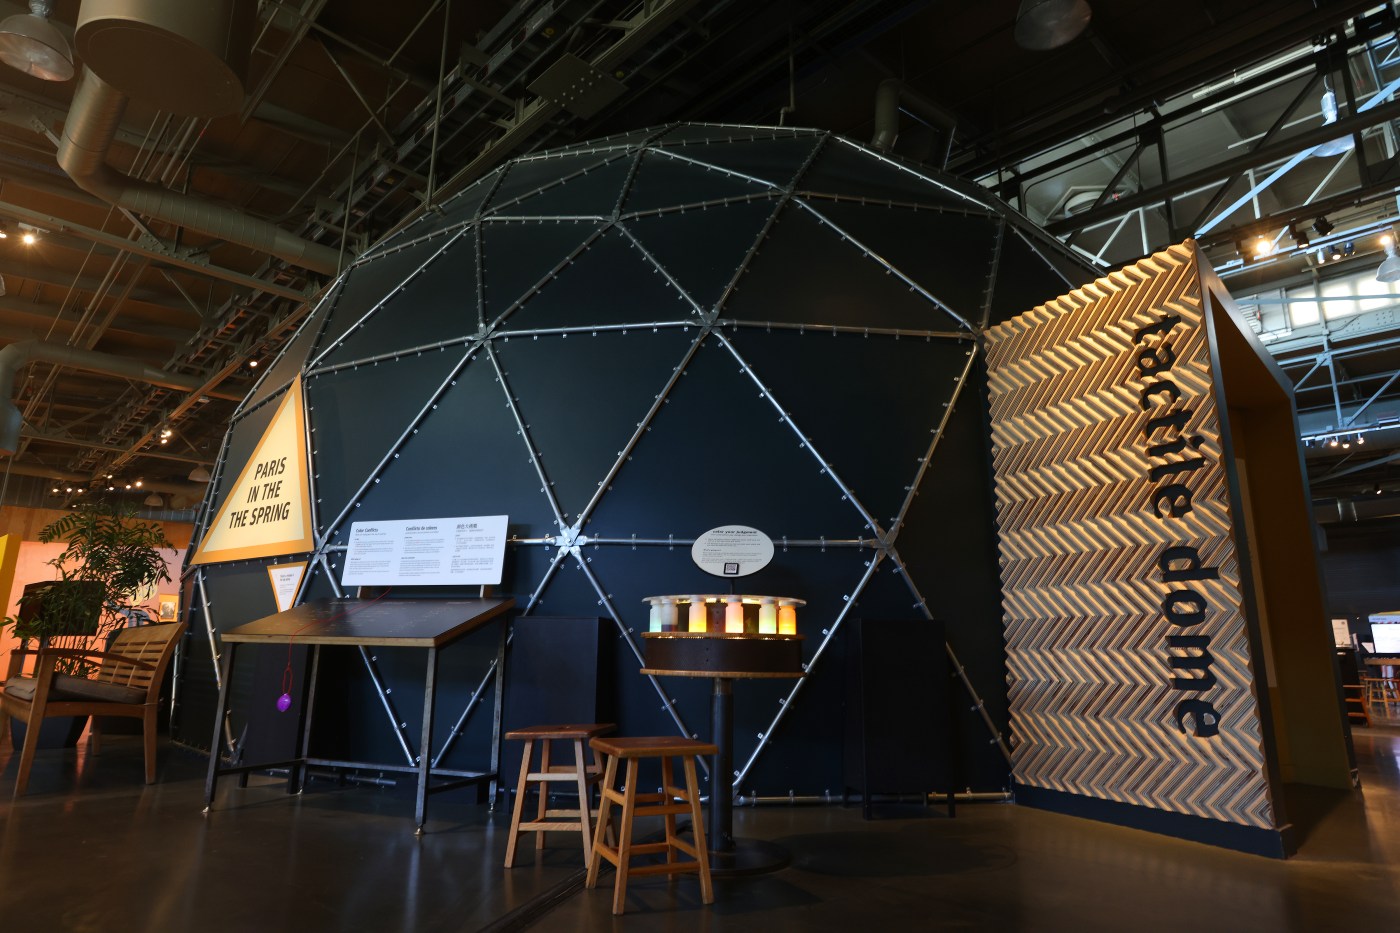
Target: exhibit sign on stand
(732, 551)
(467, 551)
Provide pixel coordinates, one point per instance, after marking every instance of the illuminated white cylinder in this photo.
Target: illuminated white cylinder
(697, 613)
(733, 615)
(654, 623)
(668, 614)
(787, 617)
(767, 617)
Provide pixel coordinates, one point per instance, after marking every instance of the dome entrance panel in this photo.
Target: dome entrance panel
(805, 273)
(438, 303)
(703, 249)
(583, 397)
(609, 283)
(518, 256)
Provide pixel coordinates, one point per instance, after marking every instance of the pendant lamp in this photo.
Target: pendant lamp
(1049, 24)
(31, 44)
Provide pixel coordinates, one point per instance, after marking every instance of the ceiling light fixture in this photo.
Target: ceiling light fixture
(1341, 144)
(153, 500)
(28, 238)
(200, 475)
(1048, 24)
(1389, 269)
(1300, 237)
(31, 44)
(1322, 226)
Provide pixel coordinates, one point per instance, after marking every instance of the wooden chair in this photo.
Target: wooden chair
(671, 801)
(127, 683)
(582, 774)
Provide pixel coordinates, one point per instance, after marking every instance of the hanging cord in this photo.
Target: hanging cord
(284, 702)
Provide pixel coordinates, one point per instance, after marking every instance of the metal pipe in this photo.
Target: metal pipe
(888, 96)
(15, 355)
(88, 133)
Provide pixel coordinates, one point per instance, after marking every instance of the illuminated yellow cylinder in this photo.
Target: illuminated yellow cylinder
(787, 617)
(697, 613)
(734, 615)
(767, 617)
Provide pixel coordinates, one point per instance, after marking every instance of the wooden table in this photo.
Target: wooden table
(1387, 665)
(430, 624)
(725, 658)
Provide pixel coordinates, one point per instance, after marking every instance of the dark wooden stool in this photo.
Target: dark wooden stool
(668, 803)
(580, 773)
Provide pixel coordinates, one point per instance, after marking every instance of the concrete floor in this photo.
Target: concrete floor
(90, 848)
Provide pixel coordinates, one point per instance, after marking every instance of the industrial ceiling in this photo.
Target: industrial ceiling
(1158, 122)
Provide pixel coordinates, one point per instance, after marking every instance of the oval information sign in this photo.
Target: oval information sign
(732, 551)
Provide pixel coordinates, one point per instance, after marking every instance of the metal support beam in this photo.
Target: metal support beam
(182, 259)
(1262, 156)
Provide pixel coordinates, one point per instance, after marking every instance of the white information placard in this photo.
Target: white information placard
(1341, 633)
(426, 552)
(285, 579)
(732, 551)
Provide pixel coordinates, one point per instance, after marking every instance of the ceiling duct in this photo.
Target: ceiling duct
(891, 96)
(91, 126)
(184, 57)
(16, 355)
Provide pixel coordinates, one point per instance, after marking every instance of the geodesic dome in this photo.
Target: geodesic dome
(625, 343)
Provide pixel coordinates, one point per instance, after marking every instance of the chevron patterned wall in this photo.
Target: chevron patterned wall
(1128, 655)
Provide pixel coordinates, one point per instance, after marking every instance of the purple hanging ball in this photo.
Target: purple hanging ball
(284, 702)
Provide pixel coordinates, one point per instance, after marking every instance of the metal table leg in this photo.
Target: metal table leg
(216, 743)
(297, 780)
(730, 856)
(425, 745)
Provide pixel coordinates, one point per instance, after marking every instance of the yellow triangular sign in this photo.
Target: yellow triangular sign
(267, 512)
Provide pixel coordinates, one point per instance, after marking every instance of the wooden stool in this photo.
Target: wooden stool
(668, 803)
(580, 774)
(1355, 695)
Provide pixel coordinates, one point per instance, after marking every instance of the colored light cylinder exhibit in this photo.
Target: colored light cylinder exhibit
(787, 617)
(697, 614)
(740, 614)
(734, 615)
(767, 616)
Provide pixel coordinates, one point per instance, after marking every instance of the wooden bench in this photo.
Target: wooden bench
(671, 800)
(127, 683)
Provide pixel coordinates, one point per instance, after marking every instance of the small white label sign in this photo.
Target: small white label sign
(1341, 633)
(426, 552)
(285, 580)
(732, 551)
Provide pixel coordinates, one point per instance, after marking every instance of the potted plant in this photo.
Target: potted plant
(112, 559)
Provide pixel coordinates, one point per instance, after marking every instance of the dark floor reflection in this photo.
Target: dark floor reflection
(93, 849)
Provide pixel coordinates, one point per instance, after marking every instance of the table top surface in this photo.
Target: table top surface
(1385, 662)
(421, 623)
(723, 675)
